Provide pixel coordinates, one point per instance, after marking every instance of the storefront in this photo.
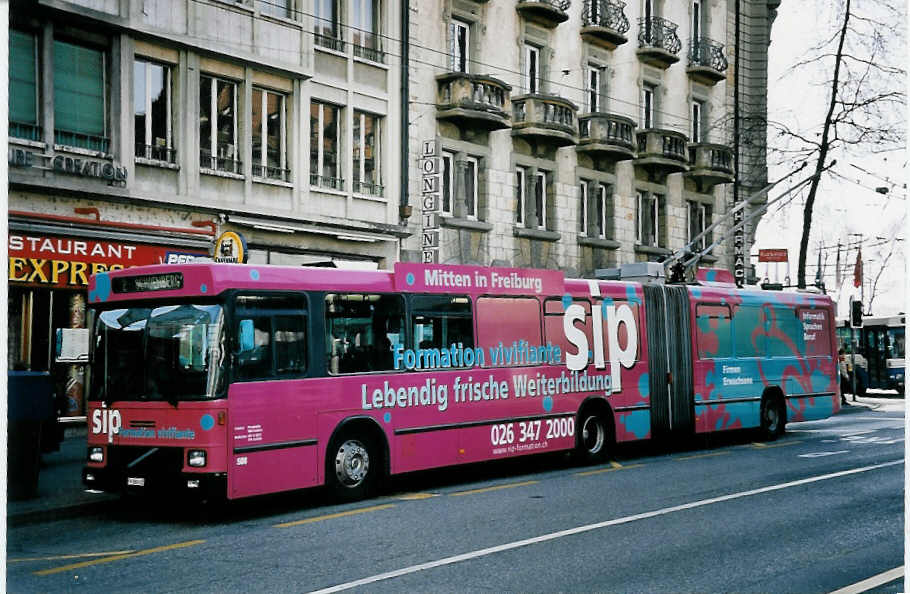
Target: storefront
(49, 265)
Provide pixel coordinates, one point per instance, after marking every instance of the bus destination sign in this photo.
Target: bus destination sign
(411, 276)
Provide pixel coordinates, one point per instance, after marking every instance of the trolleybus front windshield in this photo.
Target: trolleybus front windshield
(167, 353)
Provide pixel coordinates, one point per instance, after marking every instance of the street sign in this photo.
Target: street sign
(773, 255)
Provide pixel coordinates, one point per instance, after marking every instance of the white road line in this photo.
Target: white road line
(823, 454)
(873, 582)
(589, 527)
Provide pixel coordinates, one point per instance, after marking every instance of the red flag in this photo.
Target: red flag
(858, 269)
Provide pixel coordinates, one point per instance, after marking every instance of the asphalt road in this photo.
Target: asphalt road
(818, 510)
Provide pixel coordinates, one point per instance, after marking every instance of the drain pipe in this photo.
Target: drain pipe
(404, 209)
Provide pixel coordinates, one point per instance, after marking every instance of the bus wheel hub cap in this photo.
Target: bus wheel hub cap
(352, 462)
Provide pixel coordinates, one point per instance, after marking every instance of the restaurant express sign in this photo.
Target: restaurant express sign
(52, 261)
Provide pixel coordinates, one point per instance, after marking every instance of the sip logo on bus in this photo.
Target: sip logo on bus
(106, 421)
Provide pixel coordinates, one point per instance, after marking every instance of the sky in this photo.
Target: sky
(845, 205)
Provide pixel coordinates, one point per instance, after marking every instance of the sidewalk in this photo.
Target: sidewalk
(61, 493)
(60, 490)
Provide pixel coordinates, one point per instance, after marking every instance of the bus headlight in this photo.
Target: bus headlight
(96, 454)
(196, 458)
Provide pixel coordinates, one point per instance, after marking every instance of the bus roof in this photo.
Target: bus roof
(165, 281)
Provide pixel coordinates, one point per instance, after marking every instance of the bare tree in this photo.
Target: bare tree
(865, 98)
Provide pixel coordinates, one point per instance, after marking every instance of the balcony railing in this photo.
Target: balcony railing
(269, 172)
(25, 131)
(548, 13)
(545, 116)
(216, 163)
(369, 53)
(156, 153)
(605, 20)
(607, 133)
(658, 33)
(707, 62)
(662, 150)
(321, 181)
(710, 164)
(332, 43)
(482, 100)
(85, 141)
(368, 188)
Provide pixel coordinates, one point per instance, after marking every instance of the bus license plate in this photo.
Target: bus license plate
(135, 481)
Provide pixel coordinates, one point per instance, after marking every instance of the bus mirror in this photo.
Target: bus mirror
(247, 342)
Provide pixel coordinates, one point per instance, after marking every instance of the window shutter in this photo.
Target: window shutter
(78, 89)
(453, 42)
(22, 78)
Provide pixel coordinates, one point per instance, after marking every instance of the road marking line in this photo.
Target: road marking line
(352, 512)
(873, 582)
(603, 470)
(62, 557)
(822, 454)
(708, 455)
(496, 488)
(179, 545)
(782, 444)
(416, 496)
(588, 528)
(615, 464)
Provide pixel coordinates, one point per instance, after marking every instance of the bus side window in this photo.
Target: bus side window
(508, 320)
(256, 362)
(816, 331)
(784, 321)
(270, 336)
(749, 331)
(554, 331)
(438, 322)
(361, 331)
(712, 331)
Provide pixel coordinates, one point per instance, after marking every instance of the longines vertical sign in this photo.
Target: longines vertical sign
(430, 202)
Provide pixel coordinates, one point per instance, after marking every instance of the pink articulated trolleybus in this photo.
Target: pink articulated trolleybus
(236, 380)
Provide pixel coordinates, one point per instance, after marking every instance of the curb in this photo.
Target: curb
(856, 407)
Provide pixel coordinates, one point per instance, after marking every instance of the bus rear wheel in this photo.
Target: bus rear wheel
(593, 438)
(352, 467)
(772, 418)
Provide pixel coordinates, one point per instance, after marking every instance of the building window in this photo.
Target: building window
(367, 141)
(532, 69)
(327, 31)
(275, 8)
(583, 207)
(470, 187)
(79, 97)
(648, 218)
(23, 86)
(365, 30)
(647, 106)
(696, 19)
(699, 216)
(152, 111)
(269, 133)
(325, 140)
(218, 149)
(459, 45)
(520, 193)
(595, 212)
(448, 181)
(594, 80)
(698, 116)
(540, 199)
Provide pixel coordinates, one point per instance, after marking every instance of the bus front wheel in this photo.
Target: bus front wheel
(772, 418)
(593, 437)
(352, 467)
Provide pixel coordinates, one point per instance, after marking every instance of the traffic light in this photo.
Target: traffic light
(856, 314)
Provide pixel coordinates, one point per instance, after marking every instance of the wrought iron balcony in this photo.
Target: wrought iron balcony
(606, 135)
(710, 164)
(707, 62)
(658, 43)
(662, 151)
(25, 131)
(545, 118)
(604, 23)
(548, 13)
(473, 100)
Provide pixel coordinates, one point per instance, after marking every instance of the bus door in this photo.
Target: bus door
(669, 360)
(874, 348)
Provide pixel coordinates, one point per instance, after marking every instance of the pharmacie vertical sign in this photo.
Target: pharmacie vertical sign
(430, 202)
(739, 246)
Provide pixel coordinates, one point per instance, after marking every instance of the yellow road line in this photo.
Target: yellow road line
(179, 545)
(496, 488)
(611, 469)
(615, 464)
(61, 557)
(783, 444)
(352, 512)
(708, 455)
(416, 496)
